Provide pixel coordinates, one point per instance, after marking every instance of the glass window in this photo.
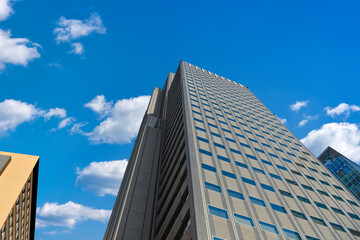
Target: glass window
(287, 160)
(278, 208)
(291, 234)
(244, 145)
(228, 174)
(200, 129)
(321, 205)
(337, 227)
(202, 139)
(303, 199)
(311, 238)
(298, 214)
(198, 120)
(273, 155)
(310, 177)
(267, 162)
(352, 202)
(354, 232)
(240, 164)
(268, 227)
(251, 156)
(337, 210)
(223, 158)
(218, 212)
(235, 194)
(291, 181)
(259, 150)
(258, 170)
(337, 187)
(338, 198)
(235, 151)
(318, 221)
(243, 220)
(257, 201)
(354, 216)
(213, 187)
(323, 192)
(215, 134)
(275, 176)
(323, 182)
(248, 181)
(208, 167)
(267, 187)
(281, 167)
(205, 152)
(307, 187)
(296, 172)
(285, 193)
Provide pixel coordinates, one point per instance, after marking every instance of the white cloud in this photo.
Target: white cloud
(18, 51)
(13, 113)
(55, 112)
(68, 30)
(122, 122)
(66, 122)
(299, 104)
(5, 9)
(102, 177)
(68, 214)
(283, 120)
(342, 108)
(99, 105)
(344, 137)
(77, 48)
(303, 122)
(306, 119)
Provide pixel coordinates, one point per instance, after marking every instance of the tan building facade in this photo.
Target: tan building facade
(212, 162)
(18, 190)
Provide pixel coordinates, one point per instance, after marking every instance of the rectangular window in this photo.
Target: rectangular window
(228, 174)
(215, 134)
(337, 187)
(337, 227)
(267, 187)
(313, 169)
(311, 238)
(209, 116)
(251, 156)
(253, 140)
(268, 227)
(197, 112)
(278, 208)
(225, 130)
(291, 234)
(240, 164)
(323, 192)
(258, 170)
(223, 158)
(248, 181)
(338, 198)
(243, 220)
(278, 149)
(212, 125)
(266, 145)
(198, 120)
(296, 172)
(318, 221)
(205, 152)
(303, 199)
(259, 150)
(287, 160)
(307, 187)
(203, 139)
(235, 194)
(300, 165)
(218, 212)
(257, 201)
(208, 167)
(354, 232)
(219, 145)
(291, 182)
(230, 140)
(235, 151)
(239, 135)
(267, 162)
(247, 131)
(310, 177)
(352, 203)
(273, 155)
(213, 187)
(200, 129)
(281, 167)
(337, 210)
(323, 182)
(326, 174)
(354, 216)
(298, 214)
(244, 145)
(321, 205)
(275, 176)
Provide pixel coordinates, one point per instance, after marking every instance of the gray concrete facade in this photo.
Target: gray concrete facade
(224, 167)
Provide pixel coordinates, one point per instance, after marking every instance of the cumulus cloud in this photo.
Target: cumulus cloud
(299, 104)
(283, 120)
(306, 119)
(102, 177)
(303, 122)
(17, 51)
(66, 122)
(13, 113)
(5, 9)
(55, 112)
(69, 30)
(342, 108)
(122, 120)
(99, 105)
(68, 214)
(344, 137)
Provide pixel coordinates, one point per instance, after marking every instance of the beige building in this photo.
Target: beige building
(212, 162)
(18, 189)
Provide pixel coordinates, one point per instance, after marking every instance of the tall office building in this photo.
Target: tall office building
(343, 168)
(212, 162)
(18, 189)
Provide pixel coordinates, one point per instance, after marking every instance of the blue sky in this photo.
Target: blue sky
(76, 77)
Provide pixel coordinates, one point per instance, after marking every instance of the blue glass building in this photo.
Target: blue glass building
(344, 169)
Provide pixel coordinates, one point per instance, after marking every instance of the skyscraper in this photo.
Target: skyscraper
(212, 162)
(343, 168)
(18, 189)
